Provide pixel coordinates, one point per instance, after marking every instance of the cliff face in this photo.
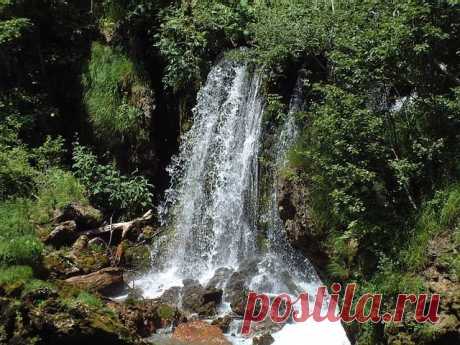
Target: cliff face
(295, 211)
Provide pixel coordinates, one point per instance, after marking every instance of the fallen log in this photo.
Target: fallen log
(106, 281)
(123, 227)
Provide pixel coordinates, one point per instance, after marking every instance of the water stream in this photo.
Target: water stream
(211, 208)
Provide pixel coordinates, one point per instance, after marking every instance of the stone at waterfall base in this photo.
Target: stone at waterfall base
(200, 333)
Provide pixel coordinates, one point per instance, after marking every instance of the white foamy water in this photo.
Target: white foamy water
(211, 208)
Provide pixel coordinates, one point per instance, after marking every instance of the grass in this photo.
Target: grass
(56, 189)
(15, 274)
(18, 242)
(111, 84)
(440, 214)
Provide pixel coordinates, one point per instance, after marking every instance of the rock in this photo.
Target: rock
(172, 295)
(137, 258)
(294, 209)
(199, 300)
(85, 216)
(265, 339)
(200, 333)
(220, 278)
(60, 264)
(63, 235)
(145, 317)
(54, 322)
(80, 245)
(236, 292)
(223, 323)
(107, 281)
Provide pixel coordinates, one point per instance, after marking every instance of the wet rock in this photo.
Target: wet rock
(265, 339)
(294, 209)
(85, 216)
(200, 300)
(172, 295)
(248, 267)
(220, 278)
(236, 292)
(63, 234)
(223, 323)
(107, 281)
(200, 333)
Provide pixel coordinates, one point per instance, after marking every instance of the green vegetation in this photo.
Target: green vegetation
(193, 34)
(378, 150)
(113, 92)
(109, 189)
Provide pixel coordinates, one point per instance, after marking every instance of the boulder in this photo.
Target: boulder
(85, 216)
(106, 281)
(80, 245)
(220, 278)
(199, 333)
(145, 317)
(265, 339)
(172, 295)
(197, 299)
(63, 234)
(223, 323)
(236, 292)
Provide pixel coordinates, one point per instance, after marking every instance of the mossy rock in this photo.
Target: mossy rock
(137, 257)
(166, 312)
(92, 260)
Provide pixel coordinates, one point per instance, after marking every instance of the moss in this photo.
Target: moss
(91, 261)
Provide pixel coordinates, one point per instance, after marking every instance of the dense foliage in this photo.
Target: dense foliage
(379, 144)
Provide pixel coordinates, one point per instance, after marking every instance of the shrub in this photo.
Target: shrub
(16, 173)
(191, 36)
(108, 188)
(289, 29)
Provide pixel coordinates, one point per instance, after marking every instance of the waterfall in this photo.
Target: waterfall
(211, 209)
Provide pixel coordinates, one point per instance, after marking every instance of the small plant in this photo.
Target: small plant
(18, 242)
(108, 188)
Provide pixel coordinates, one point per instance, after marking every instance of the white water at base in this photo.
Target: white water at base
(211, 208)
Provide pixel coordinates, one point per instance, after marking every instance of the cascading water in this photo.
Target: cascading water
(211, 208)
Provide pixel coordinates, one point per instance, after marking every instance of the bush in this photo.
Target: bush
(289, 29)
(16, 173)
(191, 36)
(108, 188)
